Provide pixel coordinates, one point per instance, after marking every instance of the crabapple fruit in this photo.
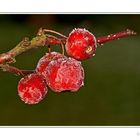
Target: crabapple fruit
(65, 74)
(32, 88)
(45, 60)
(81, 44)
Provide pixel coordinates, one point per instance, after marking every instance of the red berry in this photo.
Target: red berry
(65, 74)
(45, 60)
(81, 44)
(32, 88)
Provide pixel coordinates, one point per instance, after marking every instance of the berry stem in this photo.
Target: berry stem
(14, 70)
(52, 40)
(51, 31)
(104, 39)
(63, 48)
(26, 72)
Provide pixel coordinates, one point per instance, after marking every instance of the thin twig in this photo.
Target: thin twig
(104, 39)
(14, 70)
(51, 31)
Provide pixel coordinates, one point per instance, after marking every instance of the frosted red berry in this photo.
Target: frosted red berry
(32, 88)
(65, 74)
(45, 60)
(81, 44)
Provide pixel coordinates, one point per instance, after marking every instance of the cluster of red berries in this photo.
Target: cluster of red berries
(62, 73)
(58, 72)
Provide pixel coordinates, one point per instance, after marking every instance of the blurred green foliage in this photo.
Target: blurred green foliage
(111, 95)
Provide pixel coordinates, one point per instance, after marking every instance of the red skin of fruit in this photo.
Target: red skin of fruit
(65, 74)
(81, 44)
(45, 60)
(32, 88)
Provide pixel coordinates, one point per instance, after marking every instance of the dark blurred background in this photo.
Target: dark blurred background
(111, 95)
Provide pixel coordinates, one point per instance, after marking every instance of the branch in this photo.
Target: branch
(41, 39)
(104, 39)
(14, 70)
